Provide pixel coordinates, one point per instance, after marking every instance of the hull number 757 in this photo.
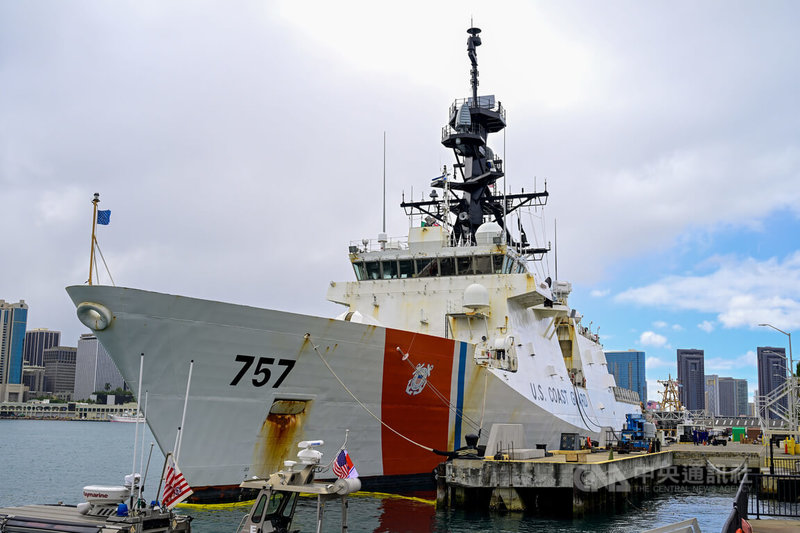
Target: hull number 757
(263, 370)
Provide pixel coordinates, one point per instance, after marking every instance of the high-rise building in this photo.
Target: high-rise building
(36, 342)
(628, 369)
(772, 371)
(33, 379)
(741, 397)
(94, 369)
(59, 369)
(13, 321)
(712, 394)
(691, 375)
(727, 397)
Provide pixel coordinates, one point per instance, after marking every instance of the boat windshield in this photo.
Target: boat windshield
(281, 508)
(428, 267)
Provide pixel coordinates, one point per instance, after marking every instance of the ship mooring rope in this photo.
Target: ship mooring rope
(733, 472)
(307, 336)
(455, 410)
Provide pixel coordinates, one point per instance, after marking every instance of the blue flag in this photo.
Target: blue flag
(439, 179)
(104, 217)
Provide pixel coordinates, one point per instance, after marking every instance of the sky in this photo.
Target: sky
(239, 147)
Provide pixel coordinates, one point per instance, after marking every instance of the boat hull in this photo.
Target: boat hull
(262, 380)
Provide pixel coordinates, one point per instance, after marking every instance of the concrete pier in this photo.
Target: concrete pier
(580, 483)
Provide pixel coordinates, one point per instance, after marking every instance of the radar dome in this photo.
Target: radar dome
(486, 233)
(476, 296)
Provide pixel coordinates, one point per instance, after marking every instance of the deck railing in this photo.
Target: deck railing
(739, 511)
(774, 495)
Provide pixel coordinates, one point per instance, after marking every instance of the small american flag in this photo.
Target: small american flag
(176, 489)
(343, 466)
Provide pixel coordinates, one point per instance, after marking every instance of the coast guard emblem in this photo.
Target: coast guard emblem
(419, 379)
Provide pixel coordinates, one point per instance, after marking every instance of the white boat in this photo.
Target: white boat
(127, 417)
(276, 501)
(444, 333)
(103, 511)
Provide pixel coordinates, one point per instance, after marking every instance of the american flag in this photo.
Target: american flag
(343, 466)
(176, 489)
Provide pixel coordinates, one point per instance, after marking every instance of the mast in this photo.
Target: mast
(95, 201)
(473, 42)
(472, 200)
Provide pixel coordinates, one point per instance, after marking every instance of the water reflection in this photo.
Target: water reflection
(385, 514)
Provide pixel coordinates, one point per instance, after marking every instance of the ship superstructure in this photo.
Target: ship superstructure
(444, 333)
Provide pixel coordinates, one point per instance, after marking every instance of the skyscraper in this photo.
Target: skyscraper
(691, 375)
(36, 342)
(741, 398)
(727, 397)
(59, 369)
(94, 369)
(712, 394)
(628, 369)
(13, 321)
(772, 372)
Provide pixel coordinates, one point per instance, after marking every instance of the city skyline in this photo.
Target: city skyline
(639, 356)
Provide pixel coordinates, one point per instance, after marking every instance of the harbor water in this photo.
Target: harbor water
(49, 461)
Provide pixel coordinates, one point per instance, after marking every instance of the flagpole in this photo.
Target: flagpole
(136, 434)
(144, 416)
(183, 417)
(161, 480)
(94, 227)
(144, 478)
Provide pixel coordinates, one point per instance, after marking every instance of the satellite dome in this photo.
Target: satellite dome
(476, 296)
(486, 233)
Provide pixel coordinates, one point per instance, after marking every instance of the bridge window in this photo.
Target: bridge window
(389, 269)
(497, 261)
(373, 270)
(406, 268)
(464, 265)
(427, 268)
(447, 266)
(361, 274)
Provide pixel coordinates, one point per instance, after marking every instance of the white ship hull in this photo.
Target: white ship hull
(229, 434)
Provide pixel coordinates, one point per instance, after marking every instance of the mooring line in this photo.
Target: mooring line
(307, 336)
(455, 410)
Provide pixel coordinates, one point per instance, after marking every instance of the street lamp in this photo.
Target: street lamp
(791, 363)
(792, 392)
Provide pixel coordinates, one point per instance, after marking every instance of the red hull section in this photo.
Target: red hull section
(409, 403)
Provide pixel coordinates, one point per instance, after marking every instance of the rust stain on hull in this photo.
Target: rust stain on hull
(276, 442)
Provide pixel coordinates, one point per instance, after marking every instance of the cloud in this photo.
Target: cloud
(599, 293)
(655, 362)
(660, 324)
(746, 361)
(248, 140)
(654, 389)
(742, 292)
(649, 338)
(706, 326)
